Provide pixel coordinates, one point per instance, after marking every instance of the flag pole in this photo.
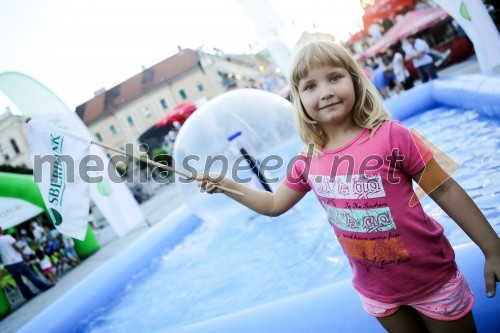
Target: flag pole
(159, 165)
(144, 158)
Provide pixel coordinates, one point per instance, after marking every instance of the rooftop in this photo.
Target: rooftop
(107, 101)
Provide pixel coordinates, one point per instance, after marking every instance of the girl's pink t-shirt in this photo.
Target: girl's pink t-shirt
(396, 252)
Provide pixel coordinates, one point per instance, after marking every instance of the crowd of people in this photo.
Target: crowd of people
(389, 72)
(397, 67)
(39, 254)
(377, 28)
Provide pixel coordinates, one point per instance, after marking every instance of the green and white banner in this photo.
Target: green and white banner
(14, 211)
(113, 199)
(57, 157)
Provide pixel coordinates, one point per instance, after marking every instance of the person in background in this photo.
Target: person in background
(270, 83)
(381, 79)
(401, 13)
(56, 252)
(39, 234)
(418, 53)
(23, 242)
(375, 31)
(402, 76)
(387, 24)
(46, 266)
(14, 262)
(68, 250)
(369, 66)
(92, 221)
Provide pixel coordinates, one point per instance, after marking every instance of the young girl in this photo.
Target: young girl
(361, 169)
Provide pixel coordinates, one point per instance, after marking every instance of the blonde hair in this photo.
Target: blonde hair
(368, 111)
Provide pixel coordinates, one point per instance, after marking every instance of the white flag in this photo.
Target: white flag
(113, 199)
(475, 20)
(57, 157)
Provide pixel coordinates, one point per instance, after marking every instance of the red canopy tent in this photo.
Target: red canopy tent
(179, 114)
(357, 36)
(412, 22)
(385, 9)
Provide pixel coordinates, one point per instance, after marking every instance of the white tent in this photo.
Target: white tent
(14, 211)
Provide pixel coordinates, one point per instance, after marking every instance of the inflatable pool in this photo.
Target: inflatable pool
(98, 303)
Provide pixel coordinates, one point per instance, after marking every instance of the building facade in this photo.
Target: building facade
(121, 114)
(14, 145)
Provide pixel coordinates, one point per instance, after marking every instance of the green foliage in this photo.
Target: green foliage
(160, 155)
(157, 152)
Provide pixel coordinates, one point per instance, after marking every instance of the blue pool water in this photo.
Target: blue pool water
(236, 264)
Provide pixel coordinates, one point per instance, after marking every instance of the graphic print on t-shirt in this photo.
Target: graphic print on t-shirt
(365, 229)
(348, 187)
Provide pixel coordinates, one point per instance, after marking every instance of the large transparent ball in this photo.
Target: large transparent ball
(212, 140)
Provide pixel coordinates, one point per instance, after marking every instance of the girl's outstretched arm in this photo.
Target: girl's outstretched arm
(260, 201)
(459, 206)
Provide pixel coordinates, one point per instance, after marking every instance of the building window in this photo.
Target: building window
(200, 87)
(163, 103)
(146, 112)
(111, 97)
(130, 121)
(15, 146)
(112, 129)
(99, 137)
(4, 153)
(148, 76)
(183, 94)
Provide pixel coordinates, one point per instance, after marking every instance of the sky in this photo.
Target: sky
(78, 47)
